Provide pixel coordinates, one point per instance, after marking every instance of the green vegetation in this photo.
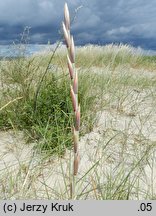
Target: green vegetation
(43, 105)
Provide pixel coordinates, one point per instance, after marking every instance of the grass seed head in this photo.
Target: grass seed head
(75, 83)
(77, 119)
(76, 139)
(74, 102)
(66, 17)
(66, 35)
(70, 67)
(72, 50)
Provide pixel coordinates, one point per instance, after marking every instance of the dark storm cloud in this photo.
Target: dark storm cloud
(118, 21)
(96, 21)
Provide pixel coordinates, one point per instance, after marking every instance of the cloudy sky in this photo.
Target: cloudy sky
(95, 21)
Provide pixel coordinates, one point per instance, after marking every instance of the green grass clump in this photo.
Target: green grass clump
(43, 109)
(49, 121)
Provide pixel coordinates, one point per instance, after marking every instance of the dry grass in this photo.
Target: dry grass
(74, 97)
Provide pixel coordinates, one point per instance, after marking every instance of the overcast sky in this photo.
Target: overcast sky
(96, 21)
